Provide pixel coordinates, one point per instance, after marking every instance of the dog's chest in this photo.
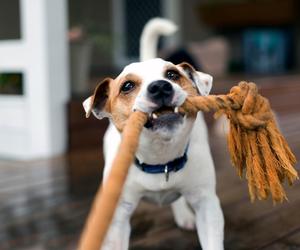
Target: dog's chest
(163, 197)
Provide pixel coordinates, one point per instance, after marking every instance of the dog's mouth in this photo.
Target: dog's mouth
(164, 117)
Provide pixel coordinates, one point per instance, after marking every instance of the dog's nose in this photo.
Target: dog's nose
(161, 92)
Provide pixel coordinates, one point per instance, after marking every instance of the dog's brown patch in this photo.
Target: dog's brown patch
(121, 104)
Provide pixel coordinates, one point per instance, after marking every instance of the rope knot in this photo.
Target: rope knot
(247, 107)
(257, 148)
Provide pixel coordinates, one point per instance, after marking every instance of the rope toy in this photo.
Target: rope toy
(256, 146)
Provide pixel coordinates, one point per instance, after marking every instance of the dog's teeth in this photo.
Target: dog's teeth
(154, 116)
(176, 109)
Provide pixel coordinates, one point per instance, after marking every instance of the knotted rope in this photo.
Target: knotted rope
(255, 144)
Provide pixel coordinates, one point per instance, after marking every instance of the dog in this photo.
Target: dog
(173, 162)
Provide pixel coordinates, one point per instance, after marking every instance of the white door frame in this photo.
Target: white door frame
(33, 125)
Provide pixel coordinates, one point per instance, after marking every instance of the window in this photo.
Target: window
(10, 20)
(136, 17)
(11, 83)
(130, 16)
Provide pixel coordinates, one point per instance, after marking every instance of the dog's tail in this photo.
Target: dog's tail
(155, 28)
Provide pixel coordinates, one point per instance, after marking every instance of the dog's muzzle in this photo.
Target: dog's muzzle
(165, 114)
(161, 93)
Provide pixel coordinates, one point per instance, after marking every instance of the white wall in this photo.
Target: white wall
(34, 125)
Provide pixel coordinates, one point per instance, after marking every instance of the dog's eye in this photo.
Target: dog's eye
(172, 75)
(127, 87)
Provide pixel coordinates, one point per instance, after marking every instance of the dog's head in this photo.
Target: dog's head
(154, 86)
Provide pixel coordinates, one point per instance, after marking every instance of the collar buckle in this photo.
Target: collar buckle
(166, 173)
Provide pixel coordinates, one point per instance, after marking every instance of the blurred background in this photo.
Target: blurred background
(53, 53)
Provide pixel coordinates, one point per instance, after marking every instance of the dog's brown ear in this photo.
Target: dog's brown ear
(97, 103)
(202, 81)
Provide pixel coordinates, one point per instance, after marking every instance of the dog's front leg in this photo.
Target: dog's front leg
(117, 237)
(209, 220)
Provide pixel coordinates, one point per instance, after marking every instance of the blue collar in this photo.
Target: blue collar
(170, 166)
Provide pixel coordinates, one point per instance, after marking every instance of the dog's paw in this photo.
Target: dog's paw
(185, 219)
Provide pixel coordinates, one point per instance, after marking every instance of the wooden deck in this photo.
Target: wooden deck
(41, 208)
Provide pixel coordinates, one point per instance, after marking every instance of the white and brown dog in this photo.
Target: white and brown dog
(173, 162)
